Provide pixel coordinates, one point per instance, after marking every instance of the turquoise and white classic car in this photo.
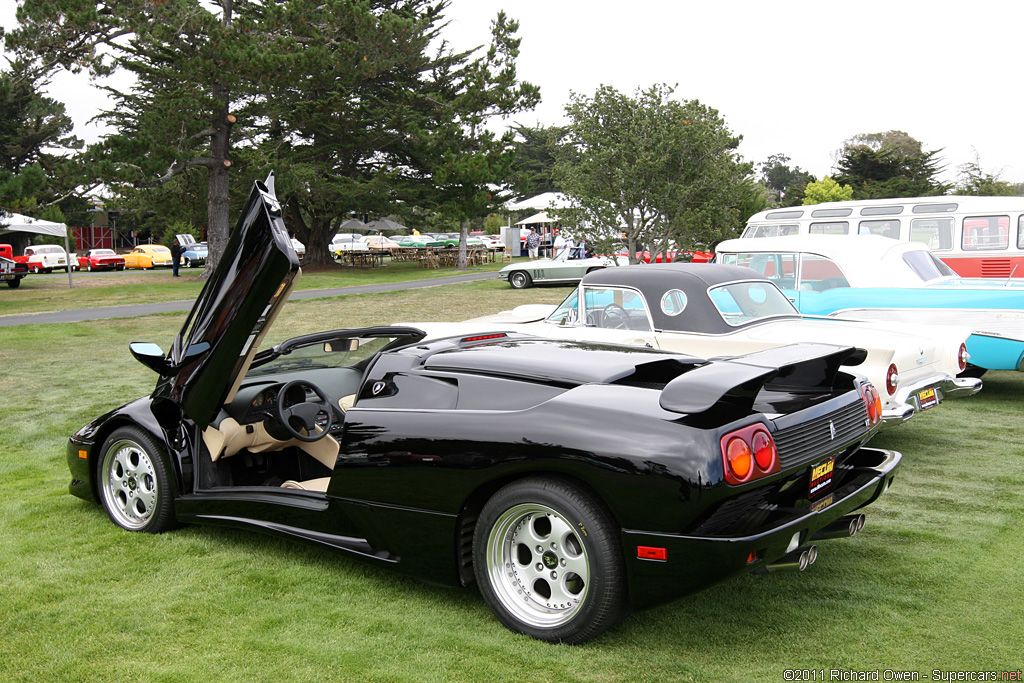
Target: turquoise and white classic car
(867, 277)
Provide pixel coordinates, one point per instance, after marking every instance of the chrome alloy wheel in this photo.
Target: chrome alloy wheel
(129, 484)
(537, 565)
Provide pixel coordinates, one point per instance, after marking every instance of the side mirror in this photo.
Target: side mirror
(150, 355)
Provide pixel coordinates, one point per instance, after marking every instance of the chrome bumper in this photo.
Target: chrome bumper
(908, 399)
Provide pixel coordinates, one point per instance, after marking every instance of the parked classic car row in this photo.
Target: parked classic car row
(714, 310)
(868, 277)
(571, 481)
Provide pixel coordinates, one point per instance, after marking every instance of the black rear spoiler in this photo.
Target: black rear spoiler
(738, 380)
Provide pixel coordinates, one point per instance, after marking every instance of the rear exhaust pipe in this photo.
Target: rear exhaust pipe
(844, 527)
(796, 561)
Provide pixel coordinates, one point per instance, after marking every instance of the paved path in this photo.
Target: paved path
(130, 310)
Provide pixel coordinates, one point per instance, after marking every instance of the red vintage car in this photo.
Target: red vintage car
(101, 259)
(687, 255)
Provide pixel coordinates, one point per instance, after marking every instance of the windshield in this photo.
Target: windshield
(606, 307)
(337, 353)
(567, 312)
(741, 303)
(926, 266)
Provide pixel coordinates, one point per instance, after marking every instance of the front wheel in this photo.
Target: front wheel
(188, 263)
(15, 283)
(520, 279)
(547, 561)
(135, 485)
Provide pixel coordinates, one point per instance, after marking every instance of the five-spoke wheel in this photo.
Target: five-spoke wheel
(547, 562)
(134, 482)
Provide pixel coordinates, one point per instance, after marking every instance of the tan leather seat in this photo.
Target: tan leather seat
(308, 485)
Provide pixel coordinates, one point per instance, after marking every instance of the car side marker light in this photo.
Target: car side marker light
(645, 552)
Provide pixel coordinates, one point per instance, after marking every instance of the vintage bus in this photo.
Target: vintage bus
(975, 236)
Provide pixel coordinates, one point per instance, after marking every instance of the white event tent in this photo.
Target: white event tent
(15, 222)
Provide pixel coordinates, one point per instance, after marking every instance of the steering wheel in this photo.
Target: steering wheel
(301, 419)
(611, 323)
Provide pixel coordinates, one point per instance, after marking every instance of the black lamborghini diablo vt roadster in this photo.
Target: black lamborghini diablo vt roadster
(570, 481)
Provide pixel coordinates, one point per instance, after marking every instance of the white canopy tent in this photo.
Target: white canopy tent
(547, 200)
(15, 222)
(536, 218)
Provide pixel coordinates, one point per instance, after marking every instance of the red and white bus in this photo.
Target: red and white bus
(975, 236)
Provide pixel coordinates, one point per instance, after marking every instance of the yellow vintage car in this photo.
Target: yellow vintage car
(148, 256)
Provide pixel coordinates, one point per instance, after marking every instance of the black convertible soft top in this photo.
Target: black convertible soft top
(693, 279)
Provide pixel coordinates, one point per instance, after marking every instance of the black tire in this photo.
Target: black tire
(88, 267)
(15, 283)
(118, 267)
(136, 488)
(188, 263)
(567, 584)
(519, 279)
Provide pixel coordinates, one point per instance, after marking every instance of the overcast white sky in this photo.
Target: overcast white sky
(796, 77)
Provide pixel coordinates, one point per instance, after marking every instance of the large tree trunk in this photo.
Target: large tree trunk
(217, 185)
(463, 240)
(317, 247)
(217, 200)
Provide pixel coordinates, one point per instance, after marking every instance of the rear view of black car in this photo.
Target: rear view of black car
(570, 481)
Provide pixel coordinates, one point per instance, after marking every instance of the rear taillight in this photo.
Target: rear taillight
(872, 403)
(892, 378)
(963, 357)
(749, 454)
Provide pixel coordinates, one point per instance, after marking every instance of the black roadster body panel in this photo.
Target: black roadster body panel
(390, 448)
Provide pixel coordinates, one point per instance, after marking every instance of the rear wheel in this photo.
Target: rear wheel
(135, 485)
(547, 561)
(15, 283)
(520, 279)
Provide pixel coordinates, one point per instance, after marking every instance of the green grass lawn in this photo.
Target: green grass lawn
(45, 294)
(933, 582)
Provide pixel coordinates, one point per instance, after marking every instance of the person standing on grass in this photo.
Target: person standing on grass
(176, 251)
(533, 244)
(560, 244)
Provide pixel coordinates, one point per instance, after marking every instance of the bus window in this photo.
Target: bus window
(986, 233)
(890, 228)
(837, 228)
(830, 213)
(818, 274)
(881, 210)
(935, 233)
(1020, 232)
(774, 230)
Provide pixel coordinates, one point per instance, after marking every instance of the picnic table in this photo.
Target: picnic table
(363, 258)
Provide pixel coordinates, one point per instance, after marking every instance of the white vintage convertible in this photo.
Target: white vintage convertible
(715, 311)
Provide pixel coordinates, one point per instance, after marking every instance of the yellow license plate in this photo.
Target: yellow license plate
(927, 398)
(821, 477)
